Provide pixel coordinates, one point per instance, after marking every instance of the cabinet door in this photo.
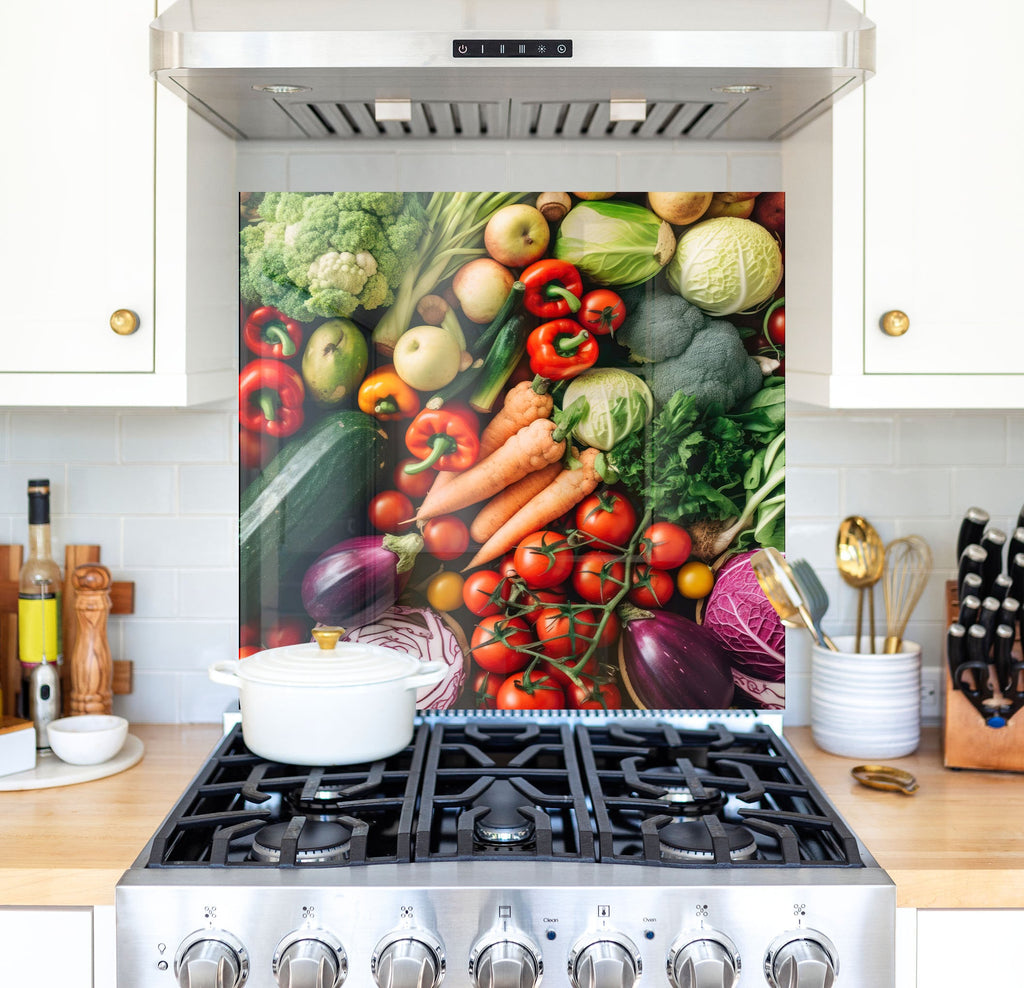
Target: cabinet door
(78, 186)
(47, 948)
(943, 216)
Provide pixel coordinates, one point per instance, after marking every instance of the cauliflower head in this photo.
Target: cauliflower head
(325, 255)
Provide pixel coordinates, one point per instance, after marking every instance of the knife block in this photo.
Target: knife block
(968, 742)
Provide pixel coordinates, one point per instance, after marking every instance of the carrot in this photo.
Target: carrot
(522, 406)
(533, 447)
(506, 503)
(564, 492)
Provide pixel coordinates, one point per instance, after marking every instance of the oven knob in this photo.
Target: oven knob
(801, 959)
(408, 960)
(211, 959)
(708, 961)
(310, 959)
(505, 963)
(609, 960)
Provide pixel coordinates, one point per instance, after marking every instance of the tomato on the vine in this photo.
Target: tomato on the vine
(598, 576)
(497, 641)
(593, 695)
(484, 592)
(390, 511)
(608, 519)
(665, 545)
(536, 692)
(544, 559)
(775, 328)
(414, 485)
(589, 668)
(535, 602)
(485, 689)
(565, 632)
(601, 311)
(651, 587)
(446, 537)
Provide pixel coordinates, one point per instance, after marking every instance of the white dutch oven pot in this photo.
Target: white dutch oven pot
(332, 703)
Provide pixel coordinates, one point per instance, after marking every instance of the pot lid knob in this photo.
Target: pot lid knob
(327, 638)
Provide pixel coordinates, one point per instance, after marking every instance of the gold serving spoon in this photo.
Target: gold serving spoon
(860, 558)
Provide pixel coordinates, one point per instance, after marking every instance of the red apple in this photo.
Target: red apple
(770, 212)
(481, 286)
(517, 235)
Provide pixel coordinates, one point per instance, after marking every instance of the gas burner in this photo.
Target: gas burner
(318, 842)
(691, 841)
(682, 801)
(502, 823)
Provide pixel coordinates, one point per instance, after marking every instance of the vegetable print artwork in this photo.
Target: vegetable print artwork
(534, 435)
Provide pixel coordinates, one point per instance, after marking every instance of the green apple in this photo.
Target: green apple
(334, 361)
(427, 357)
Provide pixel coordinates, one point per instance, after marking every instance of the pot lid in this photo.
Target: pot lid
(343, 664)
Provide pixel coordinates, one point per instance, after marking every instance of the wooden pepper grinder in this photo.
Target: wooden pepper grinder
(92, 669)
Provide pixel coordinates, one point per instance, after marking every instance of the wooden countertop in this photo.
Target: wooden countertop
(957, 843)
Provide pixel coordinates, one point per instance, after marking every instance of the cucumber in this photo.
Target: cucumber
(312, 494)
(501, 360)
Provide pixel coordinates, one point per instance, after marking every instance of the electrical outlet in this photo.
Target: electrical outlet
(931, 694)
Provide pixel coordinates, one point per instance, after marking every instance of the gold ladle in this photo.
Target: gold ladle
(860, 558)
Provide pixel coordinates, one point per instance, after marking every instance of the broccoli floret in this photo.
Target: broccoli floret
(715, 367)
(659, 325)
(327, 255)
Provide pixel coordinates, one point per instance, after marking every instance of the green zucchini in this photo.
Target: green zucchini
(312, 494)
(510, 307)
(500, 361)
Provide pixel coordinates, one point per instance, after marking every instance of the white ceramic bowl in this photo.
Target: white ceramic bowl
(88, 739)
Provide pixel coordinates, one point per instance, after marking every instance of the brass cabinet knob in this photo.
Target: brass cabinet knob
(895, 323)
(124, 322)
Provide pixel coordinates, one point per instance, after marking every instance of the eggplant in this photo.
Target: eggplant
(356, 581)
(669, 662)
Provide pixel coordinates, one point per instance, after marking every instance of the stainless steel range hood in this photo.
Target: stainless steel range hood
(532, 69)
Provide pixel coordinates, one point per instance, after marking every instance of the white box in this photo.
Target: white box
(17, 745)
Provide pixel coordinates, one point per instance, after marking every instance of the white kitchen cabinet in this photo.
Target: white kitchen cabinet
(116, 198)
(968, 947)
(905, 179)
(47, 947)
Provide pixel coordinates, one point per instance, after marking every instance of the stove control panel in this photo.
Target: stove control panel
(707, 961)
(310, 959)
(605, 960)
(506, 959)
(801, 959)
(408, 959)
(211, 959)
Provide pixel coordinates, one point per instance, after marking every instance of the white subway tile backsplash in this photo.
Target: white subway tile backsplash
(203, 701)
(159, 646)
(177, 437)
(121, 490)
(156, 593)
(838, 439)
(209, 490)
(79, 437)
(208, 593)
(154, 699)
(941, 439)
(176, 542)
(999, 490)
(897, 493)
(14, 478)
(811, 491)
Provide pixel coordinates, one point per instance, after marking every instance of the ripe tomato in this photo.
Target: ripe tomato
(563, 635)
(540, 692)
(507, 565)
(485, 593)
(610, 631)
(446, 537)
(601, 311)
(444, 591)
(537, 601)
(665, 546)
(495, 641)
(287, 631)
(485, 689)
(389, 509)
(414, 485)
(695, 580)
(544, 559)
(592, 695)
(590, 668)
(598, 576)
(608, 519)
(651, 587)
(775, 328)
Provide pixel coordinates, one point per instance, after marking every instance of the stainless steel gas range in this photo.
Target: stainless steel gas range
(499, 851)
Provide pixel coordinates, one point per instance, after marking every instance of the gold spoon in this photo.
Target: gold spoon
(860, 558)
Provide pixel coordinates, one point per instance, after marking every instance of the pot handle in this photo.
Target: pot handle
(429, 674)
(224, 673)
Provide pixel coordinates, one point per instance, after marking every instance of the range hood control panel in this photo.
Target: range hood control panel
(512, 48)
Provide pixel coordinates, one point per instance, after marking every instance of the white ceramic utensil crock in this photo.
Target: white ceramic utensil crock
(336, 703)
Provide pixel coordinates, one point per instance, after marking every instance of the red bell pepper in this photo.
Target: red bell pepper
(561, 349)
(270, 396)
(269, 333)
(445, 438)
(553, 288)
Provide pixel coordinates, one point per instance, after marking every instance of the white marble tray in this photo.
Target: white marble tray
(50, 771)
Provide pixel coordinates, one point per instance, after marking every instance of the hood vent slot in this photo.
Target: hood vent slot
(354, 119)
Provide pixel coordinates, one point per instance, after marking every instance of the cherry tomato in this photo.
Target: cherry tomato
(590, 668)
(544, 559)
(414, 485)
(535, 601)
(598, 576)
(507, 565)
(446, 537)
(665, 546)
(485, 689)
(444, 591)
(485, 592)
(607, 518)
(390, 511)
(563, 634)
(592, 695)
(601, 311)
(244, 650)
(695, 580)
(776, 329)
(651, 587)
(539, 692)
(495, 641)
(286, 631)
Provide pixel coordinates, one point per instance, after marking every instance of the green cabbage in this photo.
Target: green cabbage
(725, 265)
(618, 402)
(614, 243)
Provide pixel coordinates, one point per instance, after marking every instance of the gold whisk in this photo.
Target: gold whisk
(908, 563)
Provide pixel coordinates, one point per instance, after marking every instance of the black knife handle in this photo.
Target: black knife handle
(1000, 586)
(1016, 544)
(1017, 576)
(973, 524)
(1009, 612)
(993, 542)
(972, 560)
(977, 661)
(1005, 634)
(956, 650)
(970, 608)
(988, 618)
